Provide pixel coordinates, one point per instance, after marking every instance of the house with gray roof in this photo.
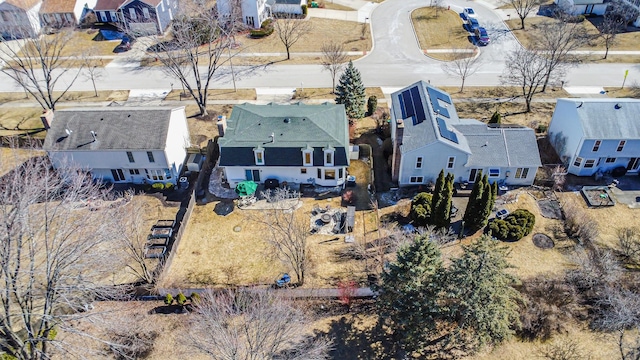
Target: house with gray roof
(120, 145)
(303, 144)
(428, 136)
(594, 135)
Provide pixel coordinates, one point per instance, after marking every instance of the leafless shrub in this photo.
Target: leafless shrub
(578, 223)
(559, 177)
(629, 240)
(252, 324)
(595, 269)
(290, 29)
(130, 341)
(333, 60)
(548, 307)
(565, 348)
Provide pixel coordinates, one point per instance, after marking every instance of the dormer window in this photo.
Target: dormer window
(307, 156)
(258, 155)
(328, 156)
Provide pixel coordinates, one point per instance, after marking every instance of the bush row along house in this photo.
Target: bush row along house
(255, 12)
(597, 135)
(26, 18)
(428, 136)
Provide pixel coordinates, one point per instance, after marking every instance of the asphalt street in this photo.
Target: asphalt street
(395, 61)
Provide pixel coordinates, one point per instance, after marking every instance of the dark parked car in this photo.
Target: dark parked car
(473, 24)
(481, 36)
(125, 45)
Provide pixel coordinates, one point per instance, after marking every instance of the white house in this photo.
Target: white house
(286, 6)
(583, 7)
(428, 136)
(120, 145)
(253, 12)
(305, 144)
(19, 18)
(597, 135)
(65, 13)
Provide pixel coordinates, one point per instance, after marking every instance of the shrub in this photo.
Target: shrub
(421, 209)
(195, 297)
(496, 118)
(181, 299)
(266, 29)
(168, 186)
(372, 104)
(578, 223)
(542, 128)
(517, 225)
(157, 186)
(304, 10)
(168, 299)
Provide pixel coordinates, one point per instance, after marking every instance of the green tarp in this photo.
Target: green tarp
(246, 188)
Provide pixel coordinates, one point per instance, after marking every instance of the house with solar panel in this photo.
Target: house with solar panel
(299, 144)
(119, 145)
(597, 135)
(428, 136)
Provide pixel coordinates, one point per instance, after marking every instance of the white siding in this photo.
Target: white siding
(565, 133)
(178, 139)
(236, 174)
(435, 157)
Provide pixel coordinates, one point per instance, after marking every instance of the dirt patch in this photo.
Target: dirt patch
(543, 241)
(550, 209)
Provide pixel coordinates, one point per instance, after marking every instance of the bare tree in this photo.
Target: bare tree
(55, 257)
(333, 60)
(252, 324)
(92, 71)
(462, 65)
(559, 176)
(629, 240)
(197, 49)
(557, 41)
(437, 5)
(290, 30)
(523, 8)
(132, 239)
(287, 231)
(526, 70)
(615, 21)
(629, 348)
(40, 64)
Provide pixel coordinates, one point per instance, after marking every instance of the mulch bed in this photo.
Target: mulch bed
(543, 241)
(550, 209)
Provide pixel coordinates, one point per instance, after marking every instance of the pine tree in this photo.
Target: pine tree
(486, 201)
(410, 292)
(442, 215)
(350, 92)
(420, 211)
(437, 198)
(480, 293)
(494, 193)
(474, 205)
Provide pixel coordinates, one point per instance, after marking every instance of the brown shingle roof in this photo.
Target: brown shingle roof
(57, 6)
(108, 5)
(23, 4)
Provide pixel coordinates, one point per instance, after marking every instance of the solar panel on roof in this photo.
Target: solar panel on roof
(446, 133)
(402, 107)
(417, 105)
(408, 104)
(434, 96)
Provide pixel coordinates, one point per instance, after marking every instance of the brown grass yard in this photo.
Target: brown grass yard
(216, 94)
(84, 96)
(16, 121)
(81, 41)
(10, 158)
(329, 4)
(512, 113)
(325, 93)
(628, 91)
(442, 32)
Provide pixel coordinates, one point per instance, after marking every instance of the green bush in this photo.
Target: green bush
(517, 225)
(195, 297)
(372, 104)
(542, 128)
(496, 118)
(181, 299)
(266, 29)
(168, 299)
(421, 209)
(168, 186)
(157, 186)
(304, 10)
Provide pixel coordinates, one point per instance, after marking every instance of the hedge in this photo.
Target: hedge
(514, 227)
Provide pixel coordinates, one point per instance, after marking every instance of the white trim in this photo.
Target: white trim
(419, 161)
(451, 160)
(329, 157)
(258, 156)
(304, 157)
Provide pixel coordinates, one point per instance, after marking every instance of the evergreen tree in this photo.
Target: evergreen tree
(437, 197)
(480, 293)
(474, 205)
(442, 215)
(420, 211)
(494, 194)
(496, 118)
(410, 293)
(350, 92)
(486, 201)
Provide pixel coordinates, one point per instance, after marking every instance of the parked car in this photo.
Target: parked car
(469, 13)
(473, 24)
(481, 36)
(501, 214)
(125, 45)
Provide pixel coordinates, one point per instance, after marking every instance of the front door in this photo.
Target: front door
(118, 175)
(252, 175)
(473, 173)
(633, 164)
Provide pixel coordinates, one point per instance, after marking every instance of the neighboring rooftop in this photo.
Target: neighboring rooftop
(57, 6)
(114, 128)
(22, 4)
(606, 118)
(108, 5)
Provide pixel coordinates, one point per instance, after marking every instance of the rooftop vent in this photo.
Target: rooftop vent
(618, 106)
(287, 120)
(95, 136)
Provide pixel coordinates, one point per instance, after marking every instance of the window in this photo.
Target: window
(329, 174)
(145, 13)
(521, 173)
(134, 171)
(103, 16)
(58, 17)
(621, 145)
(451, 162)
(132, 13)
(610, 160)
(69, 17)
(118, 174)
(44, 16)
(130, 156)
(328, 157)
(150, 156)
(340, 173)
(249, 20)
(303, 171)
(596, 145)
(419, 162)
(578, 162)
(494, 172)
(157, 174)
(319, 174)
(114, 16)
(589, 163)
(259, 156)
(415, 179)
(306, 157)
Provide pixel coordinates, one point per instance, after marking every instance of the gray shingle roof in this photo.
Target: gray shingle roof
(116, 129)
(294, 127)
(427, 132)
(602, 119)
(503, 147)
(288, 2)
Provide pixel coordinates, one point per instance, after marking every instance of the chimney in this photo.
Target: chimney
(47, 118)
(222, 125)
(397, 155)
